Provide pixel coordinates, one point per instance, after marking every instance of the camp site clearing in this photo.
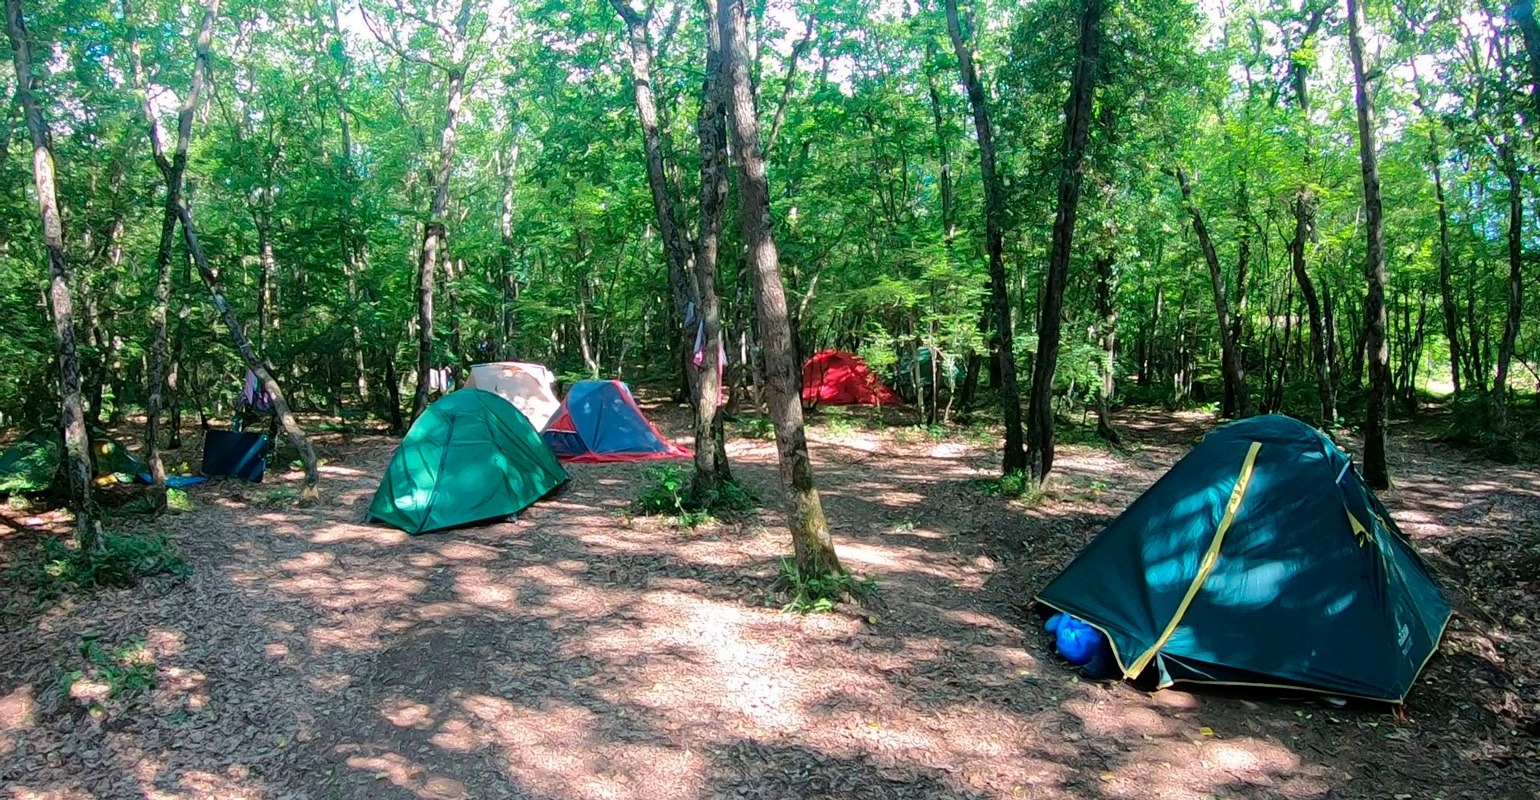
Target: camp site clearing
(580, 651)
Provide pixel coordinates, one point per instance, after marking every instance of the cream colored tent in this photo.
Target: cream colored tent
(531, 388)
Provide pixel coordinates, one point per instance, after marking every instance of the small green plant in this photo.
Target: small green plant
(1017, 485)
(127, 671)
(760, 428)
(668, 494)
(279, 496)
(122, 561)
(819, 594)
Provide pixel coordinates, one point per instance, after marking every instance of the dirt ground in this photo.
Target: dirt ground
(580, 653)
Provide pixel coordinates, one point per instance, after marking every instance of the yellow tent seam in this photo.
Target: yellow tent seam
(1207, 565)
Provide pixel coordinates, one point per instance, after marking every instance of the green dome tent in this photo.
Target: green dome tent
(1260, 559)
(470, 457)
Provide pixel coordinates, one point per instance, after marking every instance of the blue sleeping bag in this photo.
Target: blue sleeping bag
(1081, 645)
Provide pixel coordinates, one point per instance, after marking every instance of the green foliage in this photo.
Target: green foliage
(668, 493)
(122, 561)
(126, 671)
(820, 593)
(1015, 485)
(756, 427)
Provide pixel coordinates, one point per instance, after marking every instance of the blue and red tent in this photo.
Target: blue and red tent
(600, 421)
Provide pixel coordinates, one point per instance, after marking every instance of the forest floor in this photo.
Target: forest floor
(583, 653)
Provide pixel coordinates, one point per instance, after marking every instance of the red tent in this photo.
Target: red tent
(837, 378)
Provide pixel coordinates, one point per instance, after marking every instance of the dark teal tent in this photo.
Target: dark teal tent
(1260, 559)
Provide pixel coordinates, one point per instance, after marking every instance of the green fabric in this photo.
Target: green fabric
(470, 457)
(32, 463)
(1296, 596)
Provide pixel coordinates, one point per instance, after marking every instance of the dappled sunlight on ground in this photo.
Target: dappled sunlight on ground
(578, 652)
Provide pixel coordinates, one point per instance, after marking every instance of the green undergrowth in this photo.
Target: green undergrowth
(667, 494)
(813, 594)
(123, 560)
(124, 672)
(1014, 485)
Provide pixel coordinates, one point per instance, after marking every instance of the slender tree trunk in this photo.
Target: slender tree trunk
(1515, 288)
(1015, 455)
(1077, 128)
(1107, 333)
(1451, 312)
(711, 467)
(77, 440)
(509, 289)
(1523, 13)
(259, 366)
(1376, 471)
(1303, 208)
(676, 249)
(435, 234)
(173, 171)
(809, 530)
(1235, 400)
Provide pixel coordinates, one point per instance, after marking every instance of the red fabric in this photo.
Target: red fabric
(842, 379)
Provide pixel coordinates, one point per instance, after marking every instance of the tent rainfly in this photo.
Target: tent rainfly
(1260, 559)
(531, 388)
(600, 421)
(836, 378)
(471, 457)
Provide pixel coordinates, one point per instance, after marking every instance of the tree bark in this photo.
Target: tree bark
(1451, 312)
(1523, 14)
(676, 250)
(1077, 129)
(814, 547)
(1515, 287)
(173, 170)
(1014, 457)
(1107, 333)
(435, 232)
(1235, 399)
(1376, 471)
(1303, 208)
(77, 440)
(711, 467)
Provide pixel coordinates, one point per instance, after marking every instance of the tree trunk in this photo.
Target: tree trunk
(259, 366)
(1451, 312)
(711, 467)
(1107, 334)
(1015, 455)
(77, 441)
(173, 171)
(1077, 129)
(809, 530)
(1303, 208)
(1376, 471)
(1515, 292)
(1235, 400)
(1523, 13)
(676, 250)
(435, 234)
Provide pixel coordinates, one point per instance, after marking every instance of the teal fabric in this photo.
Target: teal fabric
(1294, 598)
(471, 457)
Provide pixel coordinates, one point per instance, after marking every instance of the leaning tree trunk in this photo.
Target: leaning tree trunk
(1511, 322)
(809, 530)
(173, 172)
(676, 249)
(435, 234)
(259, 366)
(1376, 471)
(1015, 455)
(77, 441)
(1077, 131)
(711, 467)
(1235, 400)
